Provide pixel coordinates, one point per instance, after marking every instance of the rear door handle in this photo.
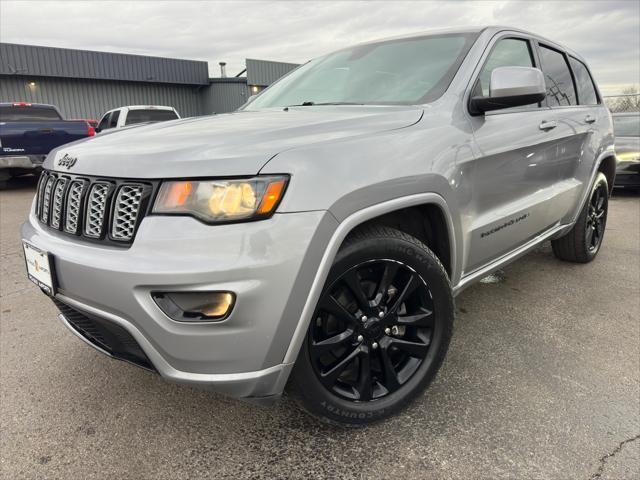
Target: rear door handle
(590, 119)
(548, 125)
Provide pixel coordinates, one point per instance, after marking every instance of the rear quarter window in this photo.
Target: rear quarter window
(586, 90)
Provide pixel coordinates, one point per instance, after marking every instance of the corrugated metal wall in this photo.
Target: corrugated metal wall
(224, 95)
(264, 73)
(91, 98)
(67, 63)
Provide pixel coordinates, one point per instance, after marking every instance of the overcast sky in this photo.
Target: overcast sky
(607, 33)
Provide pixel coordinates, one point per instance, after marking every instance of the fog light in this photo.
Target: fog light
(195, 306)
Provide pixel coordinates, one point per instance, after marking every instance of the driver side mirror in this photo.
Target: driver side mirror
(511, 87)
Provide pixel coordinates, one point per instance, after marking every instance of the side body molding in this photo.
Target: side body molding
(338, 237)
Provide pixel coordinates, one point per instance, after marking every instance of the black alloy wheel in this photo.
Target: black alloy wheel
(372, 330)
(583, 242)
(380, 330)
(596, 217)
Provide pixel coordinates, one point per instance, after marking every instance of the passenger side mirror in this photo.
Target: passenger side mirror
(511, 87)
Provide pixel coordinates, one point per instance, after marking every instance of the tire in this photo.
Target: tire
(402, 341)
(583, 242)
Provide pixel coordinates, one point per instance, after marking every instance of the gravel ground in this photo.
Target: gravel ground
(542, 380)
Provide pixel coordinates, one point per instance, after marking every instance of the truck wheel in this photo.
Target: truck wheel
(380, 331)
(4, 179)
(582, 243)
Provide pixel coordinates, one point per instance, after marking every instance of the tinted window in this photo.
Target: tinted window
(406, 71)
(557, 76)
(113, 121)
(104, 123)
(10, 113)
(510, 52)
(627, 126)
(141, 116)
(586, 90)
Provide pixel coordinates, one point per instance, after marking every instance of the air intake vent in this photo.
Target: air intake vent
(126, 212)
(89, 207)
(74, 202)
(96, 206)
(46, 199)
(58, 198)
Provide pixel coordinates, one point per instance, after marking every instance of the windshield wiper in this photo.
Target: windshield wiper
(314, 104)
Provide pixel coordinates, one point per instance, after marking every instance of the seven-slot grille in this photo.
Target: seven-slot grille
(97, 209)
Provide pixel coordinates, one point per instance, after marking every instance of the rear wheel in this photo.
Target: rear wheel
(380, 330)
(583, 242)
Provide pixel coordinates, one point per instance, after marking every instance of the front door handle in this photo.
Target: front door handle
(590, 119)
(548, 125)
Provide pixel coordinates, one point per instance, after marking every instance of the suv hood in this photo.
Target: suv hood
(238, 143)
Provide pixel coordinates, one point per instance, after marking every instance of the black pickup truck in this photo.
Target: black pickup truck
(29, 131)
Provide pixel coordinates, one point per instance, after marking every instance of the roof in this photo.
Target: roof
(32, 60)
(264, 72)
(488, 29)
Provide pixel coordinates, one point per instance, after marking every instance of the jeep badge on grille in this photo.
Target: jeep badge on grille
(67, 161)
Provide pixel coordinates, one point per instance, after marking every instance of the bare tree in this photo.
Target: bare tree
(628, 101)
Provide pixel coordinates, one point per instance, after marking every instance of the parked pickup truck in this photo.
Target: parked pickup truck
(317, 238)
(29, 131)
(134, 115)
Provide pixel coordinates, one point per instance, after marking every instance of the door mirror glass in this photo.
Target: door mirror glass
(511, 87)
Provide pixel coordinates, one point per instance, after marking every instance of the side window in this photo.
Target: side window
(104, 122)
(509, 52)
(586, 89)
(114, 119)
(557, 76)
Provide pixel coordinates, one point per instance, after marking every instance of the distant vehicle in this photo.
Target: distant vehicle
(29, 131)
(135, 114)
(93, 123)
(626, 128)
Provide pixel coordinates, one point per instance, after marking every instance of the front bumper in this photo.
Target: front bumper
(262, 262)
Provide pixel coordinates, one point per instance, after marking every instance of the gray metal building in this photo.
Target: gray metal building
(85, 84)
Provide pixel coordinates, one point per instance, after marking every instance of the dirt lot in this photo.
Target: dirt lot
(542, 380)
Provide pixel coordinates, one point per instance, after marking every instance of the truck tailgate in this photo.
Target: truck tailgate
(38, 138)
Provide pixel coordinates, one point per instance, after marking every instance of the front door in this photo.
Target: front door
(514, 175)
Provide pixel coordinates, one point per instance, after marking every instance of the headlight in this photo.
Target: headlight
(629, 156)
(218, 201)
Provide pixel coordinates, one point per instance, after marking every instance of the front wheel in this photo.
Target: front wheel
(583, 242)
(380, 331)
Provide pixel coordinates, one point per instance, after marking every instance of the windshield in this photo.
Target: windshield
(396, 72)
(627, 126)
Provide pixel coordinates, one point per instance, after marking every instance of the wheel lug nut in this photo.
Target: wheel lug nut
(380, 314)
(387, 331)
(360, 338)
(364, 318)
(374, 345)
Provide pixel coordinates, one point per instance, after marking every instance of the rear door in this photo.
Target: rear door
(575, 113)
(513, 175)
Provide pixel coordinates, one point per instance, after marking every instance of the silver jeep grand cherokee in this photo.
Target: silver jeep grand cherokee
(318, 235)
